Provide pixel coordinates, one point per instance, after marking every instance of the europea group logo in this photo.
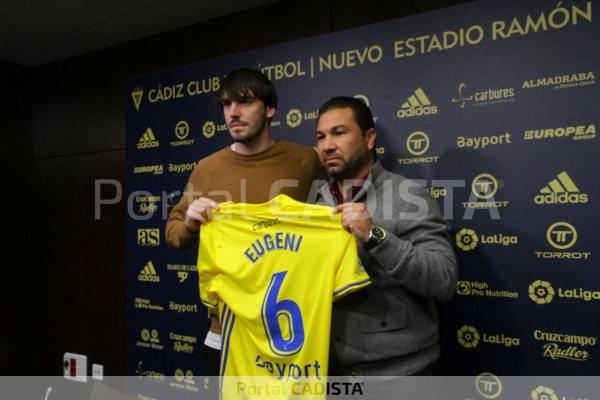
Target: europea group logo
(417, 105)
(561, 190)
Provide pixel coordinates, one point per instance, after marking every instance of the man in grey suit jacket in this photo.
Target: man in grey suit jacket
(390, 327)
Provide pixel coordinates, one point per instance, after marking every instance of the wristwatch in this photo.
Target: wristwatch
(376, 235)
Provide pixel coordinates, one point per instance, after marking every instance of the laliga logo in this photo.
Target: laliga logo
(561, 235)
(541, 292)
(468, 337)
(417, 143)
(484, 186)
(208, 129)
(543, 393)
(466, 239)
(182, 130)
(462, 99)
(293, 118)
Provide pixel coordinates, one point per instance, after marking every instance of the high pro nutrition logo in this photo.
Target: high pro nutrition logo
(417, 144)
(483, 289)
(147, 140)
(470, 337)
(562, 236)
(417, 105)
(561, 190)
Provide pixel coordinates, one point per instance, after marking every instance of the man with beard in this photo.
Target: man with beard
(390, 327)
(254, 169)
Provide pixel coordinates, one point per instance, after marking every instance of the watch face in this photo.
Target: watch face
(378, 233)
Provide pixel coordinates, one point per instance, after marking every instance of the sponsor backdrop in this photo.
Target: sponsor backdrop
(493, 105)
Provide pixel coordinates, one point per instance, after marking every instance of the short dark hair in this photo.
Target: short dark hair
(239, 82)
(362, 113)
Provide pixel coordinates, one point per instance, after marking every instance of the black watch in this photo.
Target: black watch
(376, 235)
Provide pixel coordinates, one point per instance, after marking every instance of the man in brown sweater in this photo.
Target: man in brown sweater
(254, 169)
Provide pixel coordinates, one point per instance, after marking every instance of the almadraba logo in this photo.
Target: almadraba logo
(483, 97)
(293, 118)
(417, 105)
(562, 81)
(147, 140)
(148, 274)
(137, 94)
(561, 190)
(467, 239)
(469, 337)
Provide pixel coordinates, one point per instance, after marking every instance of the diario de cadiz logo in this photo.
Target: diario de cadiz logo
(562, 81)
(417, 105)
(467, 239)
(184, 380)
(542, 292)
(565, 346)
(483, 97)
(182, 132)
(143, 303)
(561, 190)
(484, 187)
(469, 337)
(150, 340)
(488, 385)
(182, 270)
(147, 140)
(210, 128)
(156, 169)
(579, 132)
(417, 144)
(543, 393)
(562, 236)
(148, 274)
(481, 142)
(148, 237)
(137, 94)
(183, 343)
(482, 289)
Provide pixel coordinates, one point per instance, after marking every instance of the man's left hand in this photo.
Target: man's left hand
(356, 219)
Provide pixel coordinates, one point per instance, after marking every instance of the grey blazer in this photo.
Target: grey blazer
(391, 326)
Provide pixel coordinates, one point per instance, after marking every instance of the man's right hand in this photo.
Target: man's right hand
(198, 213)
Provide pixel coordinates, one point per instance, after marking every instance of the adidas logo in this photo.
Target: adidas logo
(561, 190)
(148, 274)
(148, 140)
(417, 105)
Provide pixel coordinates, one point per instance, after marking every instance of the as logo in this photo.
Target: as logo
(541, 292)
(543, 393)
(466, 239)
(468, 337)
(148, 237)
(561, 235)
(147, 140)
(417, 105)
(463, 287)
(484, 186)
(182, 130)
(148, 274)
(294, 118)
(561, 190)
(209, 129)
(137, 94)
(417, 143)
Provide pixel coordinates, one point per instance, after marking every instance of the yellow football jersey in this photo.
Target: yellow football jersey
(273, 270)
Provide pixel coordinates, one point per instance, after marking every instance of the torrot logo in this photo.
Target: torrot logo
(541, 292)
(136, 95)
(543, 393)
(148, 237)
(417, 143)
(466, 239)
(182, 130)
(147, 140)
(484, 186)
(148, 274)
(561, 235)
(488, 385)
(417, 105)
(561, 190)
(293, 118)
(468, 337)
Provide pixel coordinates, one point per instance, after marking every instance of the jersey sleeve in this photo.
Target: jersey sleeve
(350, 274)
(208, 268)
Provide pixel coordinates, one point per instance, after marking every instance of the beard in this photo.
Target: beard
(351, 168)
(252, 133)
